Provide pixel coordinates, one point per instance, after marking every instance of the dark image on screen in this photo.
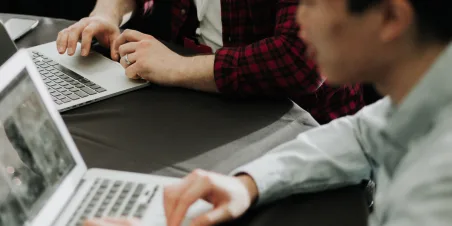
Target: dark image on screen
(33, 156)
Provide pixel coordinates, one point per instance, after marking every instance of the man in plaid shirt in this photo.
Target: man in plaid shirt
(252, 49)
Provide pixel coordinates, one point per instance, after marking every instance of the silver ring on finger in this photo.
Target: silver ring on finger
(126, 59)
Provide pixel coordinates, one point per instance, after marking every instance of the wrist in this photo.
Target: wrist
(111, 17)
(250, 185)
(197, 73)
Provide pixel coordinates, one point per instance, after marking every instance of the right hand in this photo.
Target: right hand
(105, 30)
(230, 196)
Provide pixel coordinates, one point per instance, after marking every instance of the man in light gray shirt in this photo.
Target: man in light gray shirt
(405, 140)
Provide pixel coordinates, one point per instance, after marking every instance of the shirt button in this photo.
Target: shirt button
(183, 12)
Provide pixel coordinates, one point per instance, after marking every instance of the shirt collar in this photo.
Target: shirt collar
(416, 114)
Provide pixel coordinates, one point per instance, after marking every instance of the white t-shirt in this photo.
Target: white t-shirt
(210, 29)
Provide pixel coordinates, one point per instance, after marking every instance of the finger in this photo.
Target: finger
(87, 37)
(62, 41)
(98, 222)
(126, 48)
(122, 221)
(133, 71)
(128, 36)
(74, 33)
(173, 192)
(199, 189)
(132, 59)
(213, 217)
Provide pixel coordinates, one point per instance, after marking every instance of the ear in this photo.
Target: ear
(398, 19)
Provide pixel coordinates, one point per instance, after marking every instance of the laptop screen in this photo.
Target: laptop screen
(34, 160)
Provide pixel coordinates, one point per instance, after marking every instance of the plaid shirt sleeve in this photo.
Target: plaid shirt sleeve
(274, 66)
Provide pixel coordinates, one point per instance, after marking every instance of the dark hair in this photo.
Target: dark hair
(433, 17)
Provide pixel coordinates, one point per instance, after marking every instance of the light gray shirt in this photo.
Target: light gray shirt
(407, 147)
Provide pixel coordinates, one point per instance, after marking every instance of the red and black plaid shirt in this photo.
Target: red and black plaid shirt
(262, 56)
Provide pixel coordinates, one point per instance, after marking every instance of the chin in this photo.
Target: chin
(336, 80)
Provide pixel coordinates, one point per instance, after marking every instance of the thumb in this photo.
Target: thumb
(213, 217)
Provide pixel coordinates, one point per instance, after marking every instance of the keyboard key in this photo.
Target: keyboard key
(58, 102)
(59, 73)
(88, 90)
(68, 86)
(45, 65)
(73, 96)
(139, 189)
(47, 60)
(46, 80)
(50, 83)
(67, 92)
(56, 86)
(100, 90)
(117, 184)
(66, 100)
(42, 71)
(59, 80)
(45, 73)
(54, 71)
(93, 86)
(73, 89)
(55, 94)
(79, 85)
(61, 89)
(67, 78)
(90, 84)
(84, 81)
(128, 187)
(52, 63)
(60, 97)
(53, 77)
(63, 83)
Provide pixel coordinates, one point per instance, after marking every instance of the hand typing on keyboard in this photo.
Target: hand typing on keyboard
(113, 222)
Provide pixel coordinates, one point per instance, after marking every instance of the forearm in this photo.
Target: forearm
(113, 10)
(198, 73)
(327, 157)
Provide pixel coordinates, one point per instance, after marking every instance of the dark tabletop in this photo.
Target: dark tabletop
(171, 131)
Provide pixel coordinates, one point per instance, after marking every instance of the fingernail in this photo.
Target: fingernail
(70, 51)
(85, 52)
(60, 49)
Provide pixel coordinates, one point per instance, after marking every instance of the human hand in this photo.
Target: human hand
(230, 196)
(112, 222)
(105, 30)
(149, 59)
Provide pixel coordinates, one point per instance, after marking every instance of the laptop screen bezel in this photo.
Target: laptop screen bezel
(56, 203)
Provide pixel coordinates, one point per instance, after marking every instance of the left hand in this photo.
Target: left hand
(149, 59)
(112, 222)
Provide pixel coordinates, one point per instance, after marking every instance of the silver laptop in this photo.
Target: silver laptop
(43, 178)
(74, 81)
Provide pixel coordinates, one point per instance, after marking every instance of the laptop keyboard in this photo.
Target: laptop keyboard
(63, 84)
(114, 199)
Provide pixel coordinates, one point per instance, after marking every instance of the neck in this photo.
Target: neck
(407, 72)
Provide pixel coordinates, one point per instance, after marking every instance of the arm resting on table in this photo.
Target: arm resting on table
(326, 157)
